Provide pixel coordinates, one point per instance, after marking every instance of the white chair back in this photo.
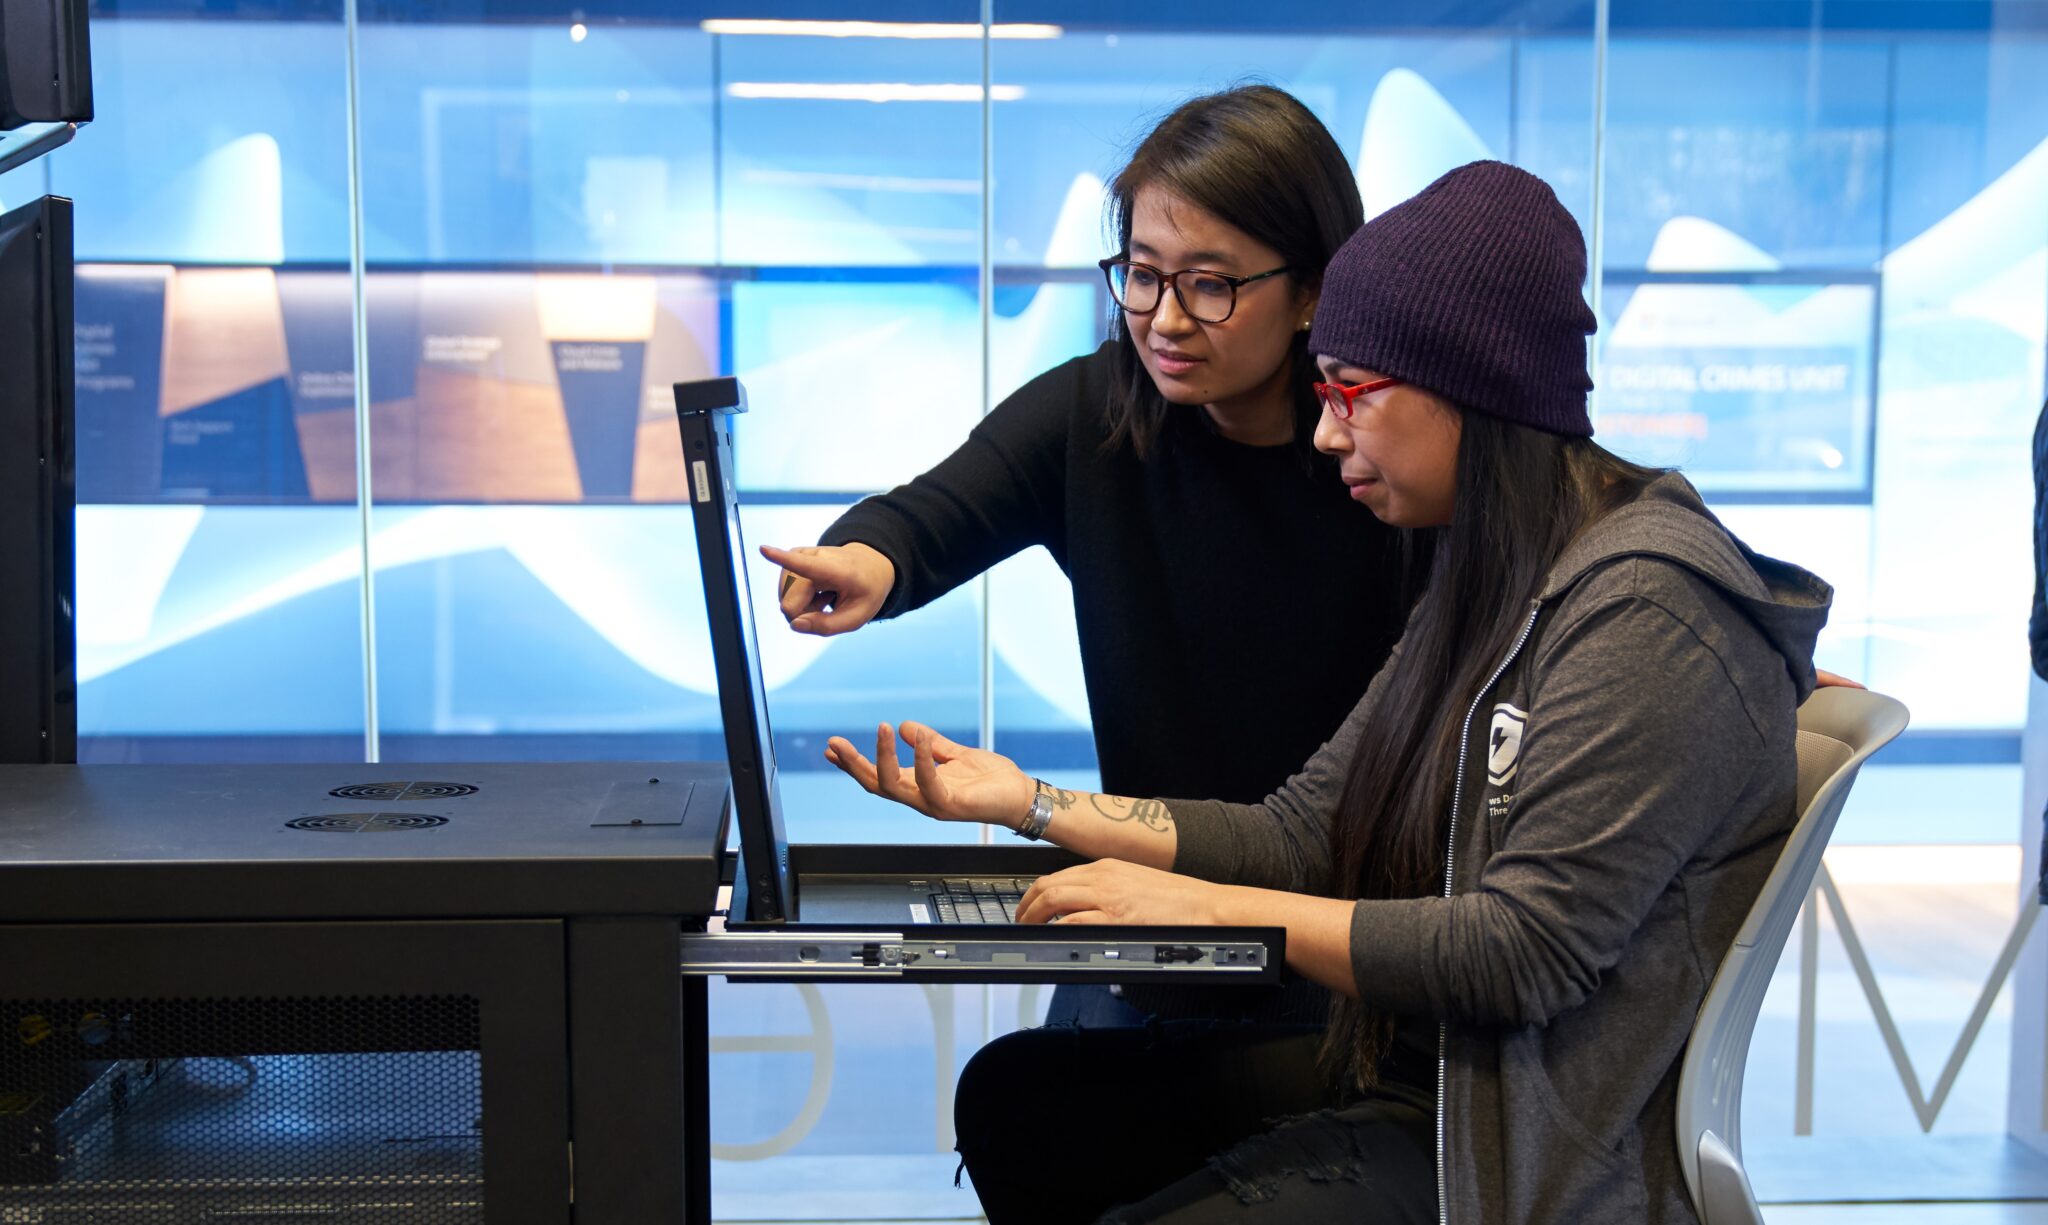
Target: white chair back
(1839, 729)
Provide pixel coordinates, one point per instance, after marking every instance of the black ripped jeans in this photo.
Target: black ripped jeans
(1192, 1123)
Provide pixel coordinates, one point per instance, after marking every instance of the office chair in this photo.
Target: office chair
(1838, 730)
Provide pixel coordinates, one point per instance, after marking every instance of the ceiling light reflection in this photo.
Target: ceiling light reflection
(872, 91)
(877, 29)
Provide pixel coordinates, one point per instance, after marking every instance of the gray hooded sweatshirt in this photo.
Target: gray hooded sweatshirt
(1626, 783)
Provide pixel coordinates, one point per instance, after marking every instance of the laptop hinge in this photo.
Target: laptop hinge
(740, 911)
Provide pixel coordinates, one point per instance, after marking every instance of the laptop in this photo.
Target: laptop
(913, 911)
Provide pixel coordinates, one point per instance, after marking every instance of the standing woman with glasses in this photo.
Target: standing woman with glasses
(1171, 474)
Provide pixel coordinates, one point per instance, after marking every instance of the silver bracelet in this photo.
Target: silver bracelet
(1040, 815)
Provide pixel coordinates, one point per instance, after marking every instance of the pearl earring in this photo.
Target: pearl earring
(1305, 324)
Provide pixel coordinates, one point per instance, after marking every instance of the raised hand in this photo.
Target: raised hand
(947, 781)
(831, 589)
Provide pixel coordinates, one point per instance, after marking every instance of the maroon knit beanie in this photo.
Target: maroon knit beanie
(1469, 289)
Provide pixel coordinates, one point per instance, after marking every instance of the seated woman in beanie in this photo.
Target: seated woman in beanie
(1519, 860)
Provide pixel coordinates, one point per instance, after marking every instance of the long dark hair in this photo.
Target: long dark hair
(1521, 497)
(1254, 157)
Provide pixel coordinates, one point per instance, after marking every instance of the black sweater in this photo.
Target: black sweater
(1231, 600)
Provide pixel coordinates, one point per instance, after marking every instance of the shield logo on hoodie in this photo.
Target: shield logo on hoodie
(1504, 743)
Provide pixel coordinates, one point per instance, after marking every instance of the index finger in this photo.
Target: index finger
(808, 563)
(840, 752)
(1068, 898)
(1038, 887)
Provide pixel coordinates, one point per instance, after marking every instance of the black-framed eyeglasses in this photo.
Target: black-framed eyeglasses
(1207, 296)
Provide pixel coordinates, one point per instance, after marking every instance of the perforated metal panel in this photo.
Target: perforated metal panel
(257, 1111)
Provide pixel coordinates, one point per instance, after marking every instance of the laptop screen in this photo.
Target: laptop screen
(749, 649)
(705, 410)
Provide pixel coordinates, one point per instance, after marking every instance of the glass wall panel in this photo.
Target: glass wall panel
(219, 582)
(898, 184)
(1826, 241)
(570, 217)
(1964, 323)
(565, 217)
(506, 142)
(854, 318)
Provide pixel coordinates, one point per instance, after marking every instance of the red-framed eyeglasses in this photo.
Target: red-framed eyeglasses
(1338, 397)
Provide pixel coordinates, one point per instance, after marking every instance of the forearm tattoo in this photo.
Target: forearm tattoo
(1151, 814)
(1062, 799)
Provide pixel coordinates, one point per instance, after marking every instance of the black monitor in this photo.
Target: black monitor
(38, 640)
(45, 63)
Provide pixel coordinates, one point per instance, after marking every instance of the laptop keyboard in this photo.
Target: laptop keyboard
(979, 899)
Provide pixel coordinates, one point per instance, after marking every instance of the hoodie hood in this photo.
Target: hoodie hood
(1787, 603)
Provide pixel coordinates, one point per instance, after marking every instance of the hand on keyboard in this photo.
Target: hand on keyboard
(979, 899)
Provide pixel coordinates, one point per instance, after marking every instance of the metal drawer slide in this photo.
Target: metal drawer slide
(855, 955)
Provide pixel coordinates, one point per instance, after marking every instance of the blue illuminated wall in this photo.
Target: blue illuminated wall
(1822, 294)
